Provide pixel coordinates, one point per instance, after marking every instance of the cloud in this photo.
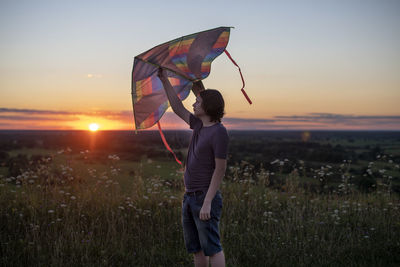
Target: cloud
(242, 120)
(91, 75)
(102, 113)
(32, 118)
(343, 119)
(34, 111)
(308, 121)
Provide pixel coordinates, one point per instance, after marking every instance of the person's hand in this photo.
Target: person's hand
(197, 87)
(205, 211)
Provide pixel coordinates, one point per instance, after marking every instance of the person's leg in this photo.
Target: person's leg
(218, 259)
(200, 260)
(190, 234)
(208, 230)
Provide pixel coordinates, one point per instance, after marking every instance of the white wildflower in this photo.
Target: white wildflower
(275, 161)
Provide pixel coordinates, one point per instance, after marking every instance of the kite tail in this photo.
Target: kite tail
(243, 91)
(166, 144)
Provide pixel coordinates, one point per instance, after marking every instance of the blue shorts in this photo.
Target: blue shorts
(199, 234)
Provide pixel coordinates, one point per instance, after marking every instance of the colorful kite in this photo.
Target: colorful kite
(186, 60)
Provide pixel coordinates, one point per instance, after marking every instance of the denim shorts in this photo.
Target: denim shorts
(200, 234)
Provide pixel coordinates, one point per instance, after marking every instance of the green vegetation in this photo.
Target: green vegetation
(80, 209)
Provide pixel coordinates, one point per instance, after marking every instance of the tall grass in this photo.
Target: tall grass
(61, 215)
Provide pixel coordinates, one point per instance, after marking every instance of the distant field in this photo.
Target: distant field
(316, 149)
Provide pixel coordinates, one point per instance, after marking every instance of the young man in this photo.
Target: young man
(204, 169)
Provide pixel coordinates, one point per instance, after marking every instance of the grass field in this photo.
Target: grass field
(73, 210)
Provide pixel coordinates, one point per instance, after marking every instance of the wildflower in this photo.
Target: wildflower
(51, 211)
(113, 157)
(63, 205)
(73, 197)
(275, 161)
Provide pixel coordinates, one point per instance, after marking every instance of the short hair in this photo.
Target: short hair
(213, 104)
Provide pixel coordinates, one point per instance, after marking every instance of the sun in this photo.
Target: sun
(93, 127)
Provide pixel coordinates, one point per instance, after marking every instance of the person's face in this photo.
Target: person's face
(197, 108)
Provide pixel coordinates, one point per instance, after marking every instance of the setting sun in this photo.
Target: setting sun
(93, 127)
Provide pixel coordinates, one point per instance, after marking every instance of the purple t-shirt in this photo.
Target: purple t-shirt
(207, 143)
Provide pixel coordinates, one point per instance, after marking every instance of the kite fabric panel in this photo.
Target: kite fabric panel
(186, 60)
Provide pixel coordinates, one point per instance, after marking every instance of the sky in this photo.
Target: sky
(308, 65)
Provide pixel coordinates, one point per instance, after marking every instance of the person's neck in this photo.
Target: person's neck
(206, 121)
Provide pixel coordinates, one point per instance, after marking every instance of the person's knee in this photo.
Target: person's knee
(217, 253)
(199, 254)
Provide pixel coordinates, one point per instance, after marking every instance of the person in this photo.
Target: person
(204, 169)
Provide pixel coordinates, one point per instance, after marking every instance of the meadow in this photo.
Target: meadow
(70, 207)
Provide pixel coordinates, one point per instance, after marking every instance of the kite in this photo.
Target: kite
(186, 60)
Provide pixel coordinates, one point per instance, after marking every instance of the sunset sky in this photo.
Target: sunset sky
(307, 64)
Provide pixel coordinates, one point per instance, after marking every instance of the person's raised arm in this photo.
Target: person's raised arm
(174, 101)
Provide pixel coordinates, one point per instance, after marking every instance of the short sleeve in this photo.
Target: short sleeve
(195, 123)
(220, 143)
